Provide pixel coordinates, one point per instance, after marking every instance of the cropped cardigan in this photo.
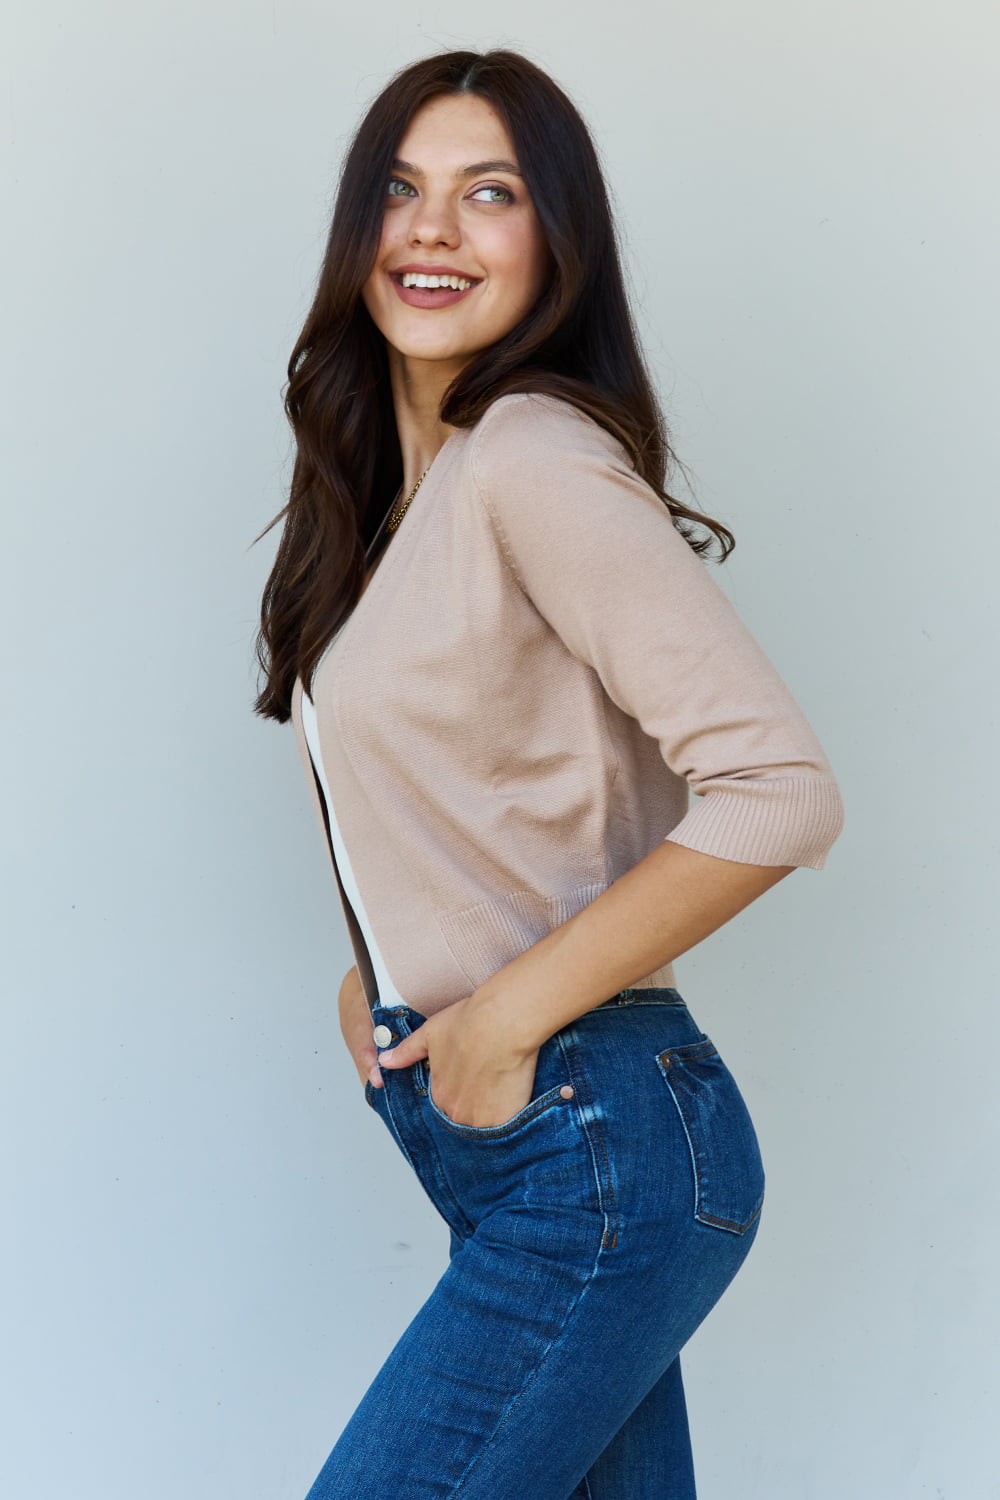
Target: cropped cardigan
(540, 683)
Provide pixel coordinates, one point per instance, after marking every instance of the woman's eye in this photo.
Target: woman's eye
(493, 187)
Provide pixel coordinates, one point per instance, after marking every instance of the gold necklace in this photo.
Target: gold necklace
(394, 520)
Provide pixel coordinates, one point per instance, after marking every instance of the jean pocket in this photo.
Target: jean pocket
(725, 1154)
(535, 1106)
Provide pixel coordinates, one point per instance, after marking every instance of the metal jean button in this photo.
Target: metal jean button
(382, 1036)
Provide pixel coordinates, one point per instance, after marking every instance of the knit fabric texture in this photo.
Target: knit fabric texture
(541, 682)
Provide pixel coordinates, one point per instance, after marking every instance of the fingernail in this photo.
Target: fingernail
(382, 1057)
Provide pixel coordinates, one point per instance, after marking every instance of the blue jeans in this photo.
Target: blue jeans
(590, 1236)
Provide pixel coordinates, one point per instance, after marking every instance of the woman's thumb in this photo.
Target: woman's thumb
(405, 1052)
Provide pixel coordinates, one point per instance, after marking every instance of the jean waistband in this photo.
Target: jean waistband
(657, 995)
(660, 995)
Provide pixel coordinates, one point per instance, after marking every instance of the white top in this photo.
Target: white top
(387, 992)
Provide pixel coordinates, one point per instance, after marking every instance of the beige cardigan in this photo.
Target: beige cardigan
(538, 672)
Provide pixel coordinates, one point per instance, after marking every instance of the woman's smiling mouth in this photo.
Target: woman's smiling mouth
(441, 294)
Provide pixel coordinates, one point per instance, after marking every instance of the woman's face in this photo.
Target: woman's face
(456, 202)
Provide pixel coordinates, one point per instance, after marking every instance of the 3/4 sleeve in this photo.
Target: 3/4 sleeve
(596, 551)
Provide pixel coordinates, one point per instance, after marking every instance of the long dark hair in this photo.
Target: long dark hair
(578, 342)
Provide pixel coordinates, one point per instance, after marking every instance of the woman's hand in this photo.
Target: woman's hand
(480, 1074)
(356, 1026)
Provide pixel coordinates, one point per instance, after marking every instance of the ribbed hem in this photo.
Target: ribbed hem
(485, 936)
(787, 820)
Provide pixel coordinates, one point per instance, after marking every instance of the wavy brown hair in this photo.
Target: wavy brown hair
(578, 342)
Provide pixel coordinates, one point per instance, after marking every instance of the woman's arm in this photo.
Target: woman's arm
(596, 554)
(663, 906)
(482, 1049)
(356, 1025)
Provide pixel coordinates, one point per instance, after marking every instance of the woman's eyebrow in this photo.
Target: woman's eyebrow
(474, 170)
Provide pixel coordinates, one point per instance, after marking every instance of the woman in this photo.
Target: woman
(507, 666)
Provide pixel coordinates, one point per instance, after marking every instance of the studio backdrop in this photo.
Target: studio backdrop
(210, 1244)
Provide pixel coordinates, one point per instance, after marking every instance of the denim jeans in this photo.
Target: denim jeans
(590, 1236)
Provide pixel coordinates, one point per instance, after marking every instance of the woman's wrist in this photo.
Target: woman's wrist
(533, 995)
(514, 1021)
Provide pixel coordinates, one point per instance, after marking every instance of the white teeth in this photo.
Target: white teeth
(417, 278)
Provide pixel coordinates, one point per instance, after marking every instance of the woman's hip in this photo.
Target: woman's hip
(635, 1130)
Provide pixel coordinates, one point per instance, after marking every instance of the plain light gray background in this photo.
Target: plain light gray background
(210, 1244)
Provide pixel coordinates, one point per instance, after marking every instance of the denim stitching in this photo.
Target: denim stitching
(704, 1218)
(531, 1111)
(569, 1044)
(455, 1206)
(695, 1051)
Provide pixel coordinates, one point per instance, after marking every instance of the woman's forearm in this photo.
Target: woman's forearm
(656, 911)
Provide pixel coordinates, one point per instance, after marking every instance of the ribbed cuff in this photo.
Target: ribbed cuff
(787, 820)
